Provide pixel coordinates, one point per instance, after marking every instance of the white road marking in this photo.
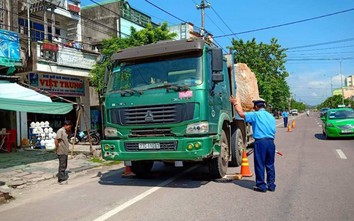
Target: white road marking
(141, 196)
(341, 154)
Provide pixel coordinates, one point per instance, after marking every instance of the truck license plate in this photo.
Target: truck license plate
(149, 146)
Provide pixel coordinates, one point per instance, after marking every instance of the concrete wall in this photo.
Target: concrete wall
(99, 23)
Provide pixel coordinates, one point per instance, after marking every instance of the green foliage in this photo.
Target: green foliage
(137, 38)
(267, 61)
(300, 106)
(334, 101)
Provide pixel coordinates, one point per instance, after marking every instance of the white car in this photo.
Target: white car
(294, 112)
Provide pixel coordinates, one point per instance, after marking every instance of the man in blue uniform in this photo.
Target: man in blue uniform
(285, 116)
(263, 125)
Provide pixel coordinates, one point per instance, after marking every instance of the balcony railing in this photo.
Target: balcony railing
(65, 55)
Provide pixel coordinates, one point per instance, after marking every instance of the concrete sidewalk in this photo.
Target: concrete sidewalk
(27, 167)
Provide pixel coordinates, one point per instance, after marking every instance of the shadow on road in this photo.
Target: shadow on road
(320, 136)
(323, 137)
(248, 184)
(158, 175)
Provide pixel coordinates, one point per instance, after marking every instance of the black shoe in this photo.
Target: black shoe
(259, 189)
(64, 182)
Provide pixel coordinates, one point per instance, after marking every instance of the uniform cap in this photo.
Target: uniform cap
(259, 101)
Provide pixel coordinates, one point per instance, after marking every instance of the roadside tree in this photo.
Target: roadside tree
(267, 61)
(334, 101)
(109, 46)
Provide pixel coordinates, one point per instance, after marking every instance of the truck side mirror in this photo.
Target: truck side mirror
(106, 73)
(217, 65)
(105, 79)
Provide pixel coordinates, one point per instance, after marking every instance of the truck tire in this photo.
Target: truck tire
(236, 148)
(142, 168)
(218, 165)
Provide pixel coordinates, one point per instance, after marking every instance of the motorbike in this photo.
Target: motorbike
(81, 136)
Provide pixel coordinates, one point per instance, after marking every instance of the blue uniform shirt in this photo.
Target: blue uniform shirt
(263, 123)
(285, 114)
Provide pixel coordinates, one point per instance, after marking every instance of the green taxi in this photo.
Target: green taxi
(338, 122)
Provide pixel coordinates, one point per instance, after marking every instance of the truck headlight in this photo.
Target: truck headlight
(110, 132)
(198, 128)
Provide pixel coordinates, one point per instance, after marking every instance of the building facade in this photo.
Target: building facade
(110, 18)
(52, 57)
(349, 81)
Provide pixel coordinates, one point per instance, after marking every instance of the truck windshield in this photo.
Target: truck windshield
(184, 72)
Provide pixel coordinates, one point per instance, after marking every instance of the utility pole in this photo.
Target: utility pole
(202, 6)
(341, 80)
(28, 28)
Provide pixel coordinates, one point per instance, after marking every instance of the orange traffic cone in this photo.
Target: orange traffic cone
(127, 172)
(245, 168)
(289, 128)
(293, 124)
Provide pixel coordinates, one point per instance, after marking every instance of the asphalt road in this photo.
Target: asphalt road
(314, 182)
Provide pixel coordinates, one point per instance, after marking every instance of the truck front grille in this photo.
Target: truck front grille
(164, 146)
(151, 132)
(155, 114)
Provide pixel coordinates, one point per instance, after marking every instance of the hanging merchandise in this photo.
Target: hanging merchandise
(41, 135)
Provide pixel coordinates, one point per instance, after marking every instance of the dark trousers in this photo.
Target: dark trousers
(285, 119)
(264, 156)
(63, 164)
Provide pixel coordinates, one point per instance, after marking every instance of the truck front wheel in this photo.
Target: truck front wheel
(218, 165)
(142, 168)
(236, 148)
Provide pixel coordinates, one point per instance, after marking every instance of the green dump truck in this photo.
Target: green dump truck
(169, 101)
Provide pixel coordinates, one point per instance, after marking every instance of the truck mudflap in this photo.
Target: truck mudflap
(183, 149)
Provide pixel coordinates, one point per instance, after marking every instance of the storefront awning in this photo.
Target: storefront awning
(17, 98)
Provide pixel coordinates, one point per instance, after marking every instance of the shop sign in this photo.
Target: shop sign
(71, 57)
(69, 86)
(9, 48)
(135, 16)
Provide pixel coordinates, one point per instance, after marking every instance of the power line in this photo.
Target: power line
(36, 30)
(223, 21)
(118, 15)
(320, 49)
(320, 59)
(286, 24)
(325, 53)
(217, 43)
(181, 21)
(211, 19)
(106, 8)
(166, 11)
(199, 28)
(323, 43)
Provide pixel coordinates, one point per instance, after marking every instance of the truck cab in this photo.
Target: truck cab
(169, 101)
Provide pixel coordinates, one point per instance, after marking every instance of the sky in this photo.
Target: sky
(320, 51)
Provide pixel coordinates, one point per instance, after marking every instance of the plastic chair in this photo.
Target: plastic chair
(10, 142)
